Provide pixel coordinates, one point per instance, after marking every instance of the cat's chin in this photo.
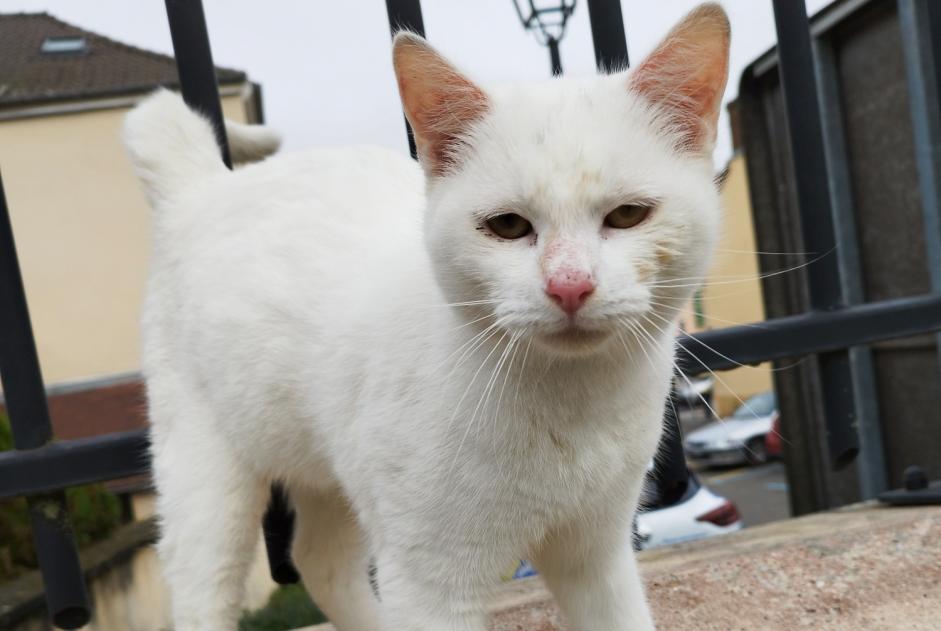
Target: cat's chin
(575, 341)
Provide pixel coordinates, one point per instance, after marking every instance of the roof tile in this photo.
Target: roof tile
(106, 68)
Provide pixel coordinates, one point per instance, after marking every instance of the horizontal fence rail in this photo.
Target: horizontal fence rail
(811, 333)
(58, 465)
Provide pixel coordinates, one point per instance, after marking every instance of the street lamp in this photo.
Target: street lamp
(547, 19)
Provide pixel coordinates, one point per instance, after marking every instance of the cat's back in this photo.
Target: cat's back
(277, 252)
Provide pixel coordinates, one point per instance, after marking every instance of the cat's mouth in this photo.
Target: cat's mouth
(574, 338)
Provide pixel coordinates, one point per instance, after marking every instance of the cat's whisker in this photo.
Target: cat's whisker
(677, 370)
(717, 377)
(703, 280)
(485, 395)
(509, 369)
(519, 381)
(754, 325)
(468, 303)
(470, 345)
(474, 321)
(471, 382)
(764, 253)
(709, 348)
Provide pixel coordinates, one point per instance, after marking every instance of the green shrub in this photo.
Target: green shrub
(288, 608)
(94, 512)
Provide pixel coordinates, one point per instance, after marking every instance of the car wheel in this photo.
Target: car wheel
(756, 452)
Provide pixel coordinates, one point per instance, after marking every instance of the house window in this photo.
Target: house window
(63, 45)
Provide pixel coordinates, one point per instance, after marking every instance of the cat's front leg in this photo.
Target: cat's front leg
(424, 588)
(591, 570)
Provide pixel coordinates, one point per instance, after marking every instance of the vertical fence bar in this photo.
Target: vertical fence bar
(405, 15)
(607, 33)
(194, 65)
(200, 91)
(25, 399)
(921, 41)
(805, 133)
(871, 466)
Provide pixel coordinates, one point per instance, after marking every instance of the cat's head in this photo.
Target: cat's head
(572, 209)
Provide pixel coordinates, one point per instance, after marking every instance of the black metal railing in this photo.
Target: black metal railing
(40, 469)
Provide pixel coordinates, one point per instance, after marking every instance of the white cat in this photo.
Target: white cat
(449, 370)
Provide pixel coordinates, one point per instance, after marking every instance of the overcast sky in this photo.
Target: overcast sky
(325, 67)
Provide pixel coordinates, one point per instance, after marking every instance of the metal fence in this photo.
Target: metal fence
(40, 469)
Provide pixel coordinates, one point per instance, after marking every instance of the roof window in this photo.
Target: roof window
(70, 45)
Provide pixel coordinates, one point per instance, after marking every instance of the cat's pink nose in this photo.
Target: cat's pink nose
(570, 291)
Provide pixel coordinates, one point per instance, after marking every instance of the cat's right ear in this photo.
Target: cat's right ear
(440, 103)
(686, 75)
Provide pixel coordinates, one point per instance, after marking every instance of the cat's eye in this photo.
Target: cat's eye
(628, 215)
(509, 226)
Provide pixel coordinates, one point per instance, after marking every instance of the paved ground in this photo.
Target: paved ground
(759, 492)
(863, 568)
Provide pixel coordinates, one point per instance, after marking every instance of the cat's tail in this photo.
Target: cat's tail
(172, 146)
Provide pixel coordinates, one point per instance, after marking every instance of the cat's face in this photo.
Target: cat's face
(574, 210)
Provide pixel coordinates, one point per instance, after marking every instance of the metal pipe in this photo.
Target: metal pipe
(810, 333)
(554, 58)
(920, 23)
(64, 463)
(194, 65)
(804, 128)
(405, 15)
(201, 92)
(871, 465)
(607, 34)
(25, 400)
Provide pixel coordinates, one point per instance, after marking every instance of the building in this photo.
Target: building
(82, 231)
(79, 217)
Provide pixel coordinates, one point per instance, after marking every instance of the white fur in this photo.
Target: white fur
(297, 328)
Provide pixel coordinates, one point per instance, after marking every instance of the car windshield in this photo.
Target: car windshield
(759, 405)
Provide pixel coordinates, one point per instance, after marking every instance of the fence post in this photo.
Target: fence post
(871, 465)
(805, 131)
(607, 34)
(405, 15)
(200, 91)
(25, 398)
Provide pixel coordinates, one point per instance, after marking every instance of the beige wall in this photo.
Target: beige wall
(82, 233)
(732, 294)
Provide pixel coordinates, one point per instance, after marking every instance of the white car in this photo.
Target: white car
(736, 439)
(699, 514)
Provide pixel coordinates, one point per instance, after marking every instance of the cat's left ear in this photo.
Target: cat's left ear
(440, 103)
(686, 75)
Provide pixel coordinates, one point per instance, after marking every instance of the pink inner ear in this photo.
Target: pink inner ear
(451, 108)
(692, 99)
(687, 73)
(440, 103)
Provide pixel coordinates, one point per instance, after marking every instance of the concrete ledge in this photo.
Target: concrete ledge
(865, 567)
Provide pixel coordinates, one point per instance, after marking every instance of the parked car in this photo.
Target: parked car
(773, 439)
(698, 514)
(736, 439)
